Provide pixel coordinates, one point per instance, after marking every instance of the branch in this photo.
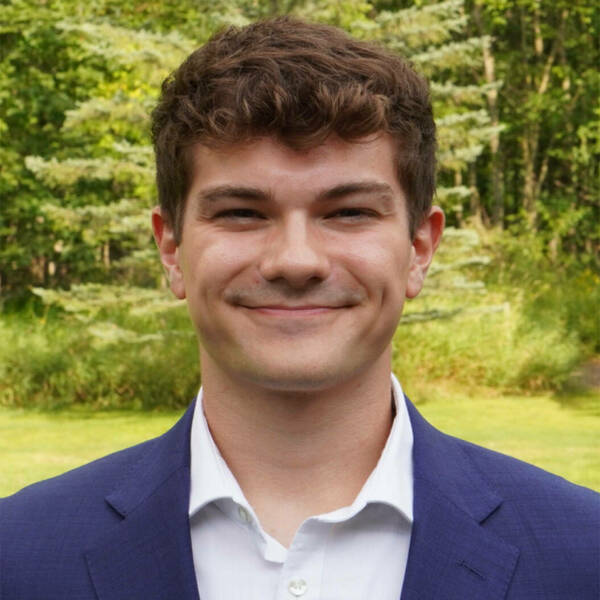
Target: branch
(552, 56)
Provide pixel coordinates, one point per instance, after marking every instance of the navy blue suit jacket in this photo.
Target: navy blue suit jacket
(486, 527)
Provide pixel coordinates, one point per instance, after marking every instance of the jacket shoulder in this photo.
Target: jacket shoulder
(71, 506)
(525, 484)
(554, 523)
(55, 523)
(90, 480)
(551, 523)
(52, 522)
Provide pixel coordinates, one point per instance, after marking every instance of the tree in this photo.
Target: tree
(546, 162)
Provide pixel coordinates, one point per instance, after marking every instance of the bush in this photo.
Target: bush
(503, 350)
(558, 289)
(549, 324)
(62, 361)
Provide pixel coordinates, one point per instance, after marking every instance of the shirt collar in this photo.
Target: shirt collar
(210, 477)
(390, 483)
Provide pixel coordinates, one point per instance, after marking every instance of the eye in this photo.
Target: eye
(352, 214)
(239, 214)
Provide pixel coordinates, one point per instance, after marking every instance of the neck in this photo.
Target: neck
(299, 454)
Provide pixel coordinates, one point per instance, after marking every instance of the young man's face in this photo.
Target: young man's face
(295, 265)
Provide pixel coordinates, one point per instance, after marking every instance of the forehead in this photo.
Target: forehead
(268, 163)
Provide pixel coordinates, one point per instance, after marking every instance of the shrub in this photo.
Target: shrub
(61, 362)
(547, 326)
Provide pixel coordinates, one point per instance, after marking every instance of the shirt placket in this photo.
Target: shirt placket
(302, 573)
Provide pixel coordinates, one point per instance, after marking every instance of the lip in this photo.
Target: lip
(293, 311)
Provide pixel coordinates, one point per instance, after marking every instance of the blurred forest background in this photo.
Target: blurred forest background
(512, 302)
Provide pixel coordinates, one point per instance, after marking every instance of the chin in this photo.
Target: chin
(297, 380)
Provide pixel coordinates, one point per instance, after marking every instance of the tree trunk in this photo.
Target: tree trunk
(534, 175)
(489, 65)
(476, 208)
(529, 143)
(106, 254)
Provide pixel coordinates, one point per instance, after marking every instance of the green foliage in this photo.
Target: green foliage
(559, 292)
(546, 165)
(506, 351)
(523, 325)
(75, 95)
(518, 140)
(141, 362)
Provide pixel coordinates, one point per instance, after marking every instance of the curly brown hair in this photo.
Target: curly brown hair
(300, 82)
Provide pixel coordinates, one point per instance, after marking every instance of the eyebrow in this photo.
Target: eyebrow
(222, 192)
(356, 187)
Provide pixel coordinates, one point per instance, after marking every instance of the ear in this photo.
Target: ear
(424, 244)
(164, 237)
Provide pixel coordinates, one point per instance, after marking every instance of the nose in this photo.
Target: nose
(295, 253)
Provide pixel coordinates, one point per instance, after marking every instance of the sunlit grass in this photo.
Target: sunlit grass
(558, 434)
(36, 446)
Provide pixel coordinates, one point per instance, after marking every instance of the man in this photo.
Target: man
(295, 173)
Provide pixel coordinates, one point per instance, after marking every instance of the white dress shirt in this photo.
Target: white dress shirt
(354, 553)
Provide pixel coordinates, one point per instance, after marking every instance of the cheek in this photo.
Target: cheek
(213, 265)
(382, 270)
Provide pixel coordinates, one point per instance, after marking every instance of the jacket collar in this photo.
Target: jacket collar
(149, 554)
(452, 555)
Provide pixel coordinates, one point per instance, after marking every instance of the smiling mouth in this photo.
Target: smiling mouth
(294, 311)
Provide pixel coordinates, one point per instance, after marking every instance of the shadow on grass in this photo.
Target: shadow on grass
(81, 412)
(586, 401)
(582, 390)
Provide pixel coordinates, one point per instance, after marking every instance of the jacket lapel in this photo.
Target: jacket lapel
(452, 555)
(148, 554)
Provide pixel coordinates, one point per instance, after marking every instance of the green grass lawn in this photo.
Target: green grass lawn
(36, 446)
(560, 436)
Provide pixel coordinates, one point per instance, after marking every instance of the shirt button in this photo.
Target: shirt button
(244, 514)
(297, 587)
